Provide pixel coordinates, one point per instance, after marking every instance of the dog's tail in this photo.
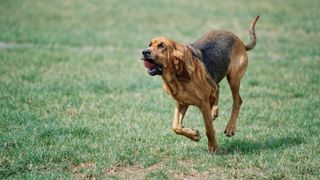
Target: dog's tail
(253, 39)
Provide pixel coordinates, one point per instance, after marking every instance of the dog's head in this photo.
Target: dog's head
(164, 54)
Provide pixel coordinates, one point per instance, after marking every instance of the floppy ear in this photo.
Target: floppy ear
(180, 66)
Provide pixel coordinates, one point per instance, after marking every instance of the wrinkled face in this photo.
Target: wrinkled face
(155, 57)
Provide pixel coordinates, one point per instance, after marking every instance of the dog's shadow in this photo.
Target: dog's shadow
(247, 146)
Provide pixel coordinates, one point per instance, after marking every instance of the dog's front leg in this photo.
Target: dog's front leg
(214, 104)
(207, 116)
(177, 126)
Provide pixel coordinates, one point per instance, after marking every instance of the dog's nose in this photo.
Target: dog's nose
(146, 52)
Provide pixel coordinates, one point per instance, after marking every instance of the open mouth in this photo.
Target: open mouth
(153, 68)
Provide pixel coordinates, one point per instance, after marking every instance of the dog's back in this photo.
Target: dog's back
(216, 47)
(215, 52)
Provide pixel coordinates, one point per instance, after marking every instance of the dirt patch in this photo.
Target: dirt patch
(247, 173)
(221, 173)
(137, 172)
(213, 173)
(84, 171)
(132, 171)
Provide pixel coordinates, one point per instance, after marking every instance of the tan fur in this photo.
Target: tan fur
(186, 80)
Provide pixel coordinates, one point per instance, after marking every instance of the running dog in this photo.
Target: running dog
(191, 75)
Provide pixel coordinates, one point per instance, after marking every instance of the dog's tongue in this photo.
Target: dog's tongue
(148, 65)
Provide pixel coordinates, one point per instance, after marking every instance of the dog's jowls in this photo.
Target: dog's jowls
(191, 75)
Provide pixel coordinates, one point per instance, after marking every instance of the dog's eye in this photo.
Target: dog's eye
(150, 44)
(161, 46)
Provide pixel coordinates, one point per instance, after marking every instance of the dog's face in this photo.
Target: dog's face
(156, 56)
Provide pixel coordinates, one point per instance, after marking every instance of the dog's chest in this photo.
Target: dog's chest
(187, 95)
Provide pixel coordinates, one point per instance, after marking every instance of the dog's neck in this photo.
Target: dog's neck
(172, 81)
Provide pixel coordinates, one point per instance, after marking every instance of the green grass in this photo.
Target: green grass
(76, 102)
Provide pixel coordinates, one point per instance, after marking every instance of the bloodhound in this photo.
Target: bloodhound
(191, 75)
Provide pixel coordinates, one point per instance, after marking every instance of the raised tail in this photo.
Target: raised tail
(253, 39)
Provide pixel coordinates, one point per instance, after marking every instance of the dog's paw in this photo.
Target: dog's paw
(214, 117)
(230, 130)
(196, 137)
(215, 112)
(220, 151)
(213, 149)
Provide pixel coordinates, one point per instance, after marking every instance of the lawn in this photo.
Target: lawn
(76, 101)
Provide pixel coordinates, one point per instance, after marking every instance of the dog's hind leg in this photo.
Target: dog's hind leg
(238, 68)
(177, 126)
(237, 101)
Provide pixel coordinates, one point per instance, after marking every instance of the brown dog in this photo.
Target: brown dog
(191, 74)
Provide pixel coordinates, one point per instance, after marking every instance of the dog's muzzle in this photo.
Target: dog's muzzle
(149, 63)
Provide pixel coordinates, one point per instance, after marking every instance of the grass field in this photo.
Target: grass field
(76, 101)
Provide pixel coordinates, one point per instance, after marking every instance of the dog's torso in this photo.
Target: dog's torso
(216, 48)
